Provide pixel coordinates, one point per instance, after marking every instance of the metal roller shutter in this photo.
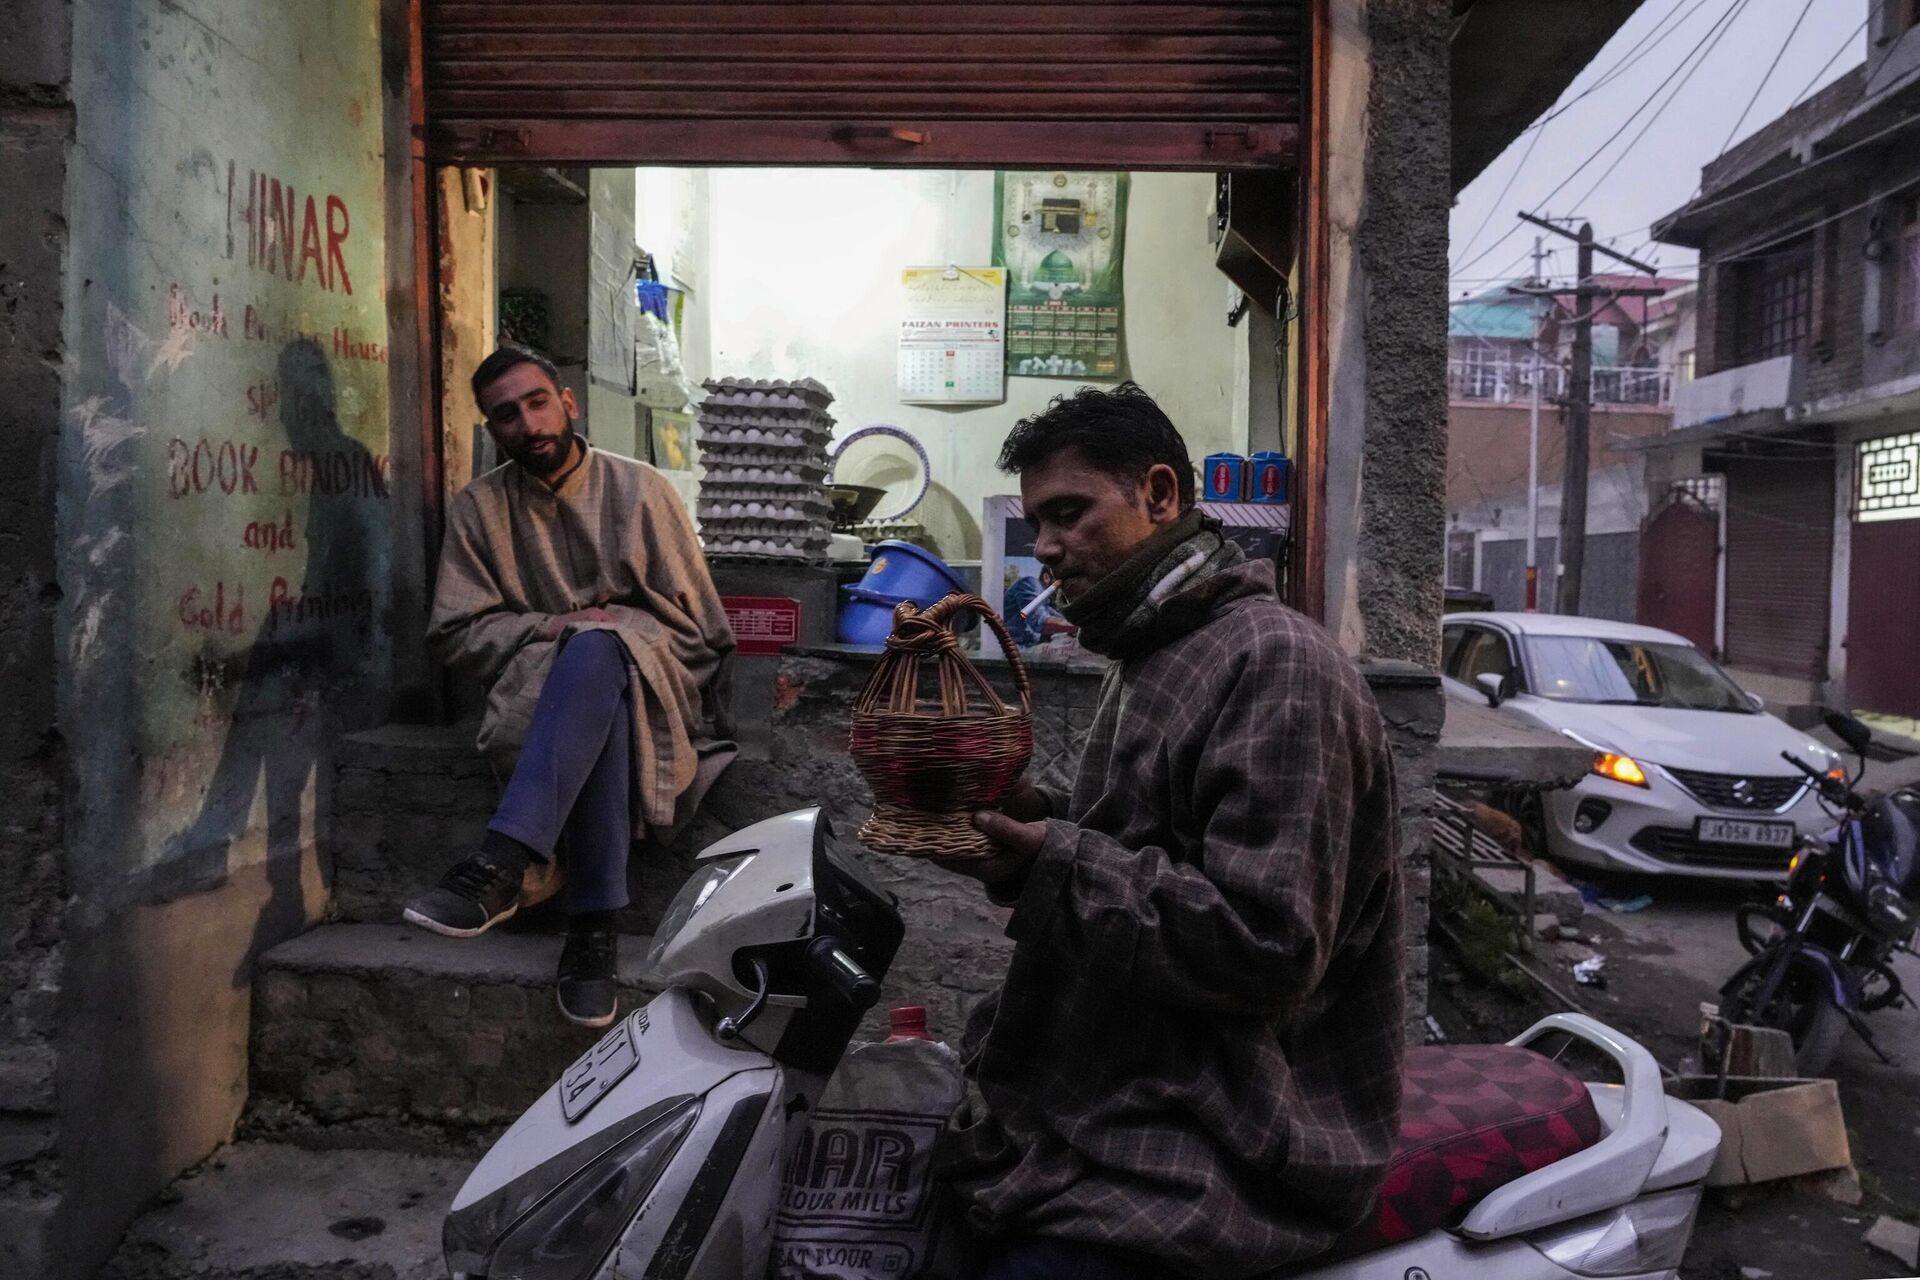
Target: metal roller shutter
(1779, 564)
(1883, 617)
(1088, 83)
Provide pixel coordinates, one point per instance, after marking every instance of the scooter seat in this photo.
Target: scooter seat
(1473, 1117)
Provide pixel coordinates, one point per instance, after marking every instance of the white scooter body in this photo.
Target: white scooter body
(1622, 1208)
(659, 1152)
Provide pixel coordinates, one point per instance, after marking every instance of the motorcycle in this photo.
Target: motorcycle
(1823, 949)
(659, 1152)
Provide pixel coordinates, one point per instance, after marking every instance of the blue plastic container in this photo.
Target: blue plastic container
(1267, 477)
(906, 572)
(1224, 478)
(866, 617)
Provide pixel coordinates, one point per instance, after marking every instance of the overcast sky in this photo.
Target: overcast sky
(1692, 113)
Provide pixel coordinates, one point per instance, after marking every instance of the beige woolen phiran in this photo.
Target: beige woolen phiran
(614, 536)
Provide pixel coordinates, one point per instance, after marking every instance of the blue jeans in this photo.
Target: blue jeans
(1039, 1258)
(575, 774)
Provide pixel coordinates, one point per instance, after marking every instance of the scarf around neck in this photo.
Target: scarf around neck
(1116, 616)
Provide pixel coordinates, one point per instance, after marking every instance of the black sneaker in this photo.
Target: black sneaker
(588, 991)
(476, 894)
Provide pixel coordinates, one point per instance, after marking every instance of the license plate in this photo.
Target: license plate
(1765, 835)
(598, 1070)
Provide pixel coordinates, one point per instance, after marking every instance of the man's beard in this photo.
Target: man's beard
(529, 458)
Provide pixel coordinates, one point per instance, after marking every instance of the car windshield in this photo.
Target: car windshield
(1631, 673)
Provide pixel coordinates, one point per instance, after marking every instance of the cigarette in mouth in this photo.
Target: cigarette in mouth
(1039, 600)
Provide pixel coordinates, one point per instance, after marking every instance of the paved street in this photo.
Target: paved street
(1662, 963)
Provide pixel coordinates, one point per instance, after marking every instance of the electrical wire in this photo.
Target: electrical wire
(1627, 150)
(1647, 45)
(1771, 68)
(1904, 123)
(1847, 43)
(1752, 250)
(1725, 19)
(1494, 206)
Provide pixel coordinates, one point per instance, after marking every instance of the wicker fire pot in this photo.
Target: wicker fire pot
(931, 766)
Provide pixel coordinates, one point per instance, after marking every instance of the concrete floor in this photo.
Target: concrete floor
(267, 1211)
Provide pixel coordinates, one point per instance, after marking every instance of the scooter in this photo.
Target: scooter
(658, 1153)
(1823, 950)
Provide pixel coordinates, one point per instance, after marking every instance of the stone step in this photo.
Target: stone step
(408, 800)
(364, 1024)
(275, 1211)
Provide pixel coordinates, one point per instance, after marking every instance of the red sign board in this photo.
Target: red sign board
(763, 624)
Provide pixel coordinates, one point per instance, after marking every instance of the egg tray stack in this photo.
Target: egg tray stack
(763, 445)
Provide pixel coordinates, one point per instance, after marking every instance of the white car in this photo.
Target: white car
(1687, 774)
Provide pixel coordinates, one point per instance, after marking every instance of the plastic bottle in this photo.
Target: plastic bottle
(907, 1023)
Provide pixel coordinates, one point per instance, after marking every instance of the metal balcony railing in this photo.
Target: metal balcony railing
(1511, 382)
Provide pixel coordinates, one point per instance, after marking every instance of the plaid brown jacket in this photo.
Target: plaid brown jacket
(1196, 1052)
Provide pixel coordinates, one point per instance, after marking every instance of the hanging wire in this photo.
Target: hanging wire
(1725, 19)
(1771, 68)
(1627, 150)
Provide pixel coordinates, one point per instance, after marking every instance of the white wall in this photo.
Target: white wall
(798, 274)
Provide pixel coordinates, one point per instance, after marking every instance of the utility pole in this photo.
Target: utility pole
(1573, 484)
(1533, 435)
(1579, 405)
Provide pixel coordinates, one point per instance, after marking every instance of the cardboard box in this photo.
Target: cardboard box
(1770, 1128)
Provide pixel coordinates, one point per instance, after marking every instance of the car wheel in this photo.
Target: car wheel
(1530, 811)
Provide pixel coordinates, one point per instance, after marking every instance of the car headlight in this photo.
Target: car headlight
(1619, 768)
(693, 895)
(546, 1232)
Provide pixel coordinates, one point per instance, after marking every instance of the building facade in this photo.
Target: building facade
(1491, 343)
(1797, 443)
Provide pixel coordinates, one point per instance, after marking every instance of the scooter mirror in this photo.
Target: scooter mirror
(1849, 731)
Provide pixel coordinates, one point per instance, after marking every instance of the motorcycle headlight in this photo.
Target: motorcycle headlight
(693, 895)
(1649, 1234)
(547, 1225)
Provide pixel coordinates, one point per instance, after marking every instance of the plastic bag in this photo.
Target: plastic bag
(857, 1199)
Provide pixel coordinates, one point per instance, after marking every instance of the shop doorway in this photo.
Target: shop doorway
(877, 100)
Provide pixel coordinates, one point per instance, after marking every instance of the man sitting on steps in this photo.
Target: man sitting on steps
(571, 585)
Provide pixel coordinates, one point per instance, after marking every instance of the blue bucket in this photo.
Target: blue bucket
(905, 572)
(866, 617)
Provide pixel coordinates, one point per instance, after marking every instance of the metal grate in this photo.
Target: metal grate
(1737, 791)
(1677, 845)
(1886, 478)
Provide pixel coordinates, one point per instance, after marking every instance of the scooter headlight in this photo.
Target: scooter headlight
(545, 1225)
(693, 895)
(1649, 1234)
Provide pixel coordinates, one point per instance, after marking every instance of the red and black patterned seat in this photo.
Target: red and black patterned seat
(1473, 1118)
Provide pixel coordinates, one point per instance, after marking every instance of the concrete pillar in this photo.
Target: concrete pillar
(1387, 188)
(36, 137)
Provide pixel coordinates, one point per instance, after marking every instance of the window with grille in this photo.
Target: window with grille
(1776, 304)
(1708, 491)
(1886, 478)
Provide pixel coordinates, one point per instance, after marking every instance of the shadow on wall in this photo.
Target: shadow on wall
(285, 698)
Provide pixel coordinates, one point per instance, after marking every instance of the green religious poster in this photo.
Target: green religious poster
(1062, 238)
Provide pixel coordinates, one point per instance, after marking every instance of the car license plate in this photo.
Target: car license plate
(1765, 835)
(598, 1070)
